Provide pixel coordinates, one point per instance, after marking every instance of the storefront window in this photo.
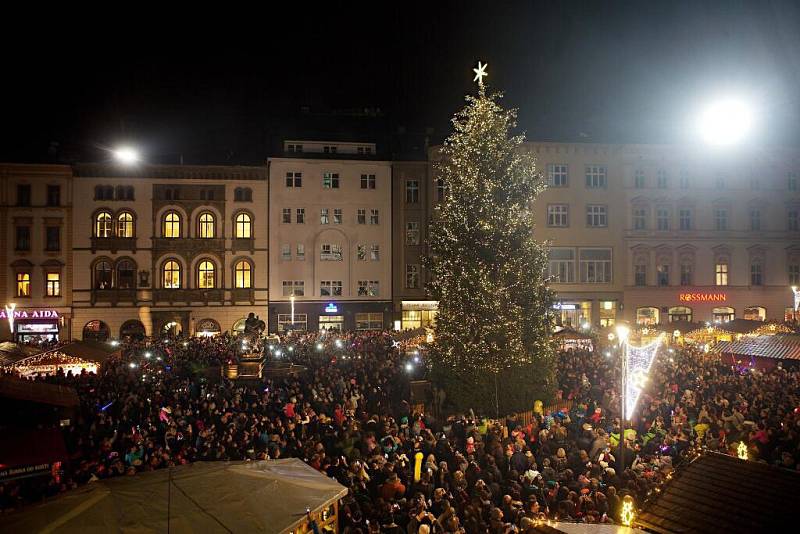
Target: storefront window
(285, 322)
(608, 312)
(331, 322)
(723, 313)
(647, 316)
(755, 313)
(95, 331)
(573, 314)
(369, 321)
(419, 314)
(680, 313)
(208, 328)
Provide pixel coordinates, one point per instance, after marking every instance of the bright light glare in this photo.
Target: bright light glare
(126, 155)
(319, 346)
(725, 122)
(409, 367)
(622, 332)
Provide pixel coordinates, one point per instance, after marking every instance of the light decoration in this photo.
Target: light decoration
(50, 362)
(639, 361)
(480, 72)
(628, 513)
(741, 451)
(10, 315)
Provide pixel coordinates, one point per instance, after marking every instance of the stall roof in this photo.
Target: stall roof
(778, 347)
(208, 497)
(681, 326)
(11, 352)
(24, 447)
(719, 493)
(569, 333)
(740, 326)
(93, 351)
(32, 391)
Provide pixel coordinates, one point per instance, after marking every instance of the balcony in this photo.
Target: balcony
(243, 295)
(247, 244)
(188, 247)
(114, 296)
(189, 296)
(114, 244)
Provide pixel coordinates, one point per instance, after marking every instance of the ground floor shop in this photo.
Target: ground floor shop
(650, 306)
(586, 310)
(329, 315)
(413, 314)
(32, 325)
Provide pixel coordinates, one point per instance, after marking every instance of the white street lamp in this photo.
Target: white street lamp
(725, 122)
(127, 155)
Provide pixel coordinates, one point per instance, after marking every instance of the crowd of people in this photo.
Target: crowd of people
(349, 416)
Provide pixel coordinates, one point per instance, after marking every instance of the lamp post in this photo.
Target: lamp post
(622, 334)
(291, 299)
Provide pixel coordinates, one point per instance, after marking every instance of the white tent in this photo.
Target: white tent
(207, 497)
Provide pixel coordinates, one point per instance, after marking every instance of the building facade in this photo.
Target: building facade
(330, 237)
(162, 249)
(36, 248)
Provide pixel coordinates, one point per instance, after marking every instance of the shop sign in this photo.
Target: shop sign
(331, 308)
(432, 305)
(24, 471)
(559, 306)
(703, 297)
(25, 314)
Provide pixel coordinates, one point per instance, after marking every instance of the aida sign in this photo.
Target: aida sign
(28, 314)
(703, 297)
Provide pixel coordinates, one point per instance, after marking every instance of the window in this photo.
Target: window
(126, 274)
(361, 252)
(794, 274)
(125, 225)
(721, 218)
(373, 216)
(53, 238)
(679, 313)
(172, 225)
(171, 278)
(295, 288)
(53, 281)
(595, 265)
(286, 252)
(441, 189)
(23, 195)
(337, 215)
(723, 314)
(558, 215)
(369, 321)
(294, 179)
(412, 276)
(721, 271)
(330, 180)
(301, 252)
(300, 216)
(685, 218)
(793, 220)
(323, 216)
(412, 233)
(756, 273)
(245, 194)
(286, 217)
(684, 179)
(755, 219)
(53, 195)
(205, 275)
(661, 179)
(639, 218)
(687, 269)
(638, 179)
(791, 183)
(103, 275)
(102, 225)
(206, 226)
(368, 288)
(596, 216)
(330, 252)
(640, 275)
(329, 149)
(330, 288)
(23, 284)
(361, 216)
(412, 191)
(755, 313)
(367, 181)
(243, 275)
(647, 316)
(561, 264)
(662, 274)
(23, 238)
(375, 253)
(244, 226)
(294, 148)
(595, 177)
(285, 322)
(662, 219)
(557, 175)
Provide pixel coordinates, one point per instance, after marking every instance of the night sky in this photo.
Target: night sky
(226, 88)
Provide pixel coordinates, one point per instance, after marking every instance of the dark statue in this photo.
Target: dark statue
(254, 325)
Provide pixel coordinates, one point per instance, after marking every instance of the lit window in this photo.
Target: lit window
(172, 225)
(171, 275)
(23, 284)
(244, 226)
(53, 284)
(125, 225)
(375, 253)
(205, 271)
(373, 216)
(102, 226)
(361, 216)
(206, 226)
(323, 216)
(337, 215)
(103, 275)
(721, 271)
(243, 275)
(412, 276)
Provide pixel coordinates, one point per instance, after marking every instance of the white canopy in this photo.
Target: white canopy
(207, 497)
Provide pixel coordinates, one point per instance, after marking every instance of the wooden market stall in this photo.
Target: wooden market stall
(75, 357)
(760, 352)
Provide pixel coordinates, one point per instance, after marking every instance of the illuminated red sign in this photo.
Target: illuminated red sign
(703, 297)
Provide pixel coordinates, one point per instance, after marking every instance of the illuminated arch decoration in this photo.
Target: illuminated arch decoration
(639, 362)
(628, 513)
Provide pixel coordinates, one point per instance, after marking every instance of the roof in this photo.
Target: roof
(93, 351)
(12, 352)
(207, 497)
(22, 447)
(158, 172)
(31, 391)
(569, 333)
(720, 493)
(779, 347)
(682, 326)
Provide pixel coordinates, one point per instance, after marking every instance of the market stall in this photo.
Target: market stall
(75, 357)
(569, 339)
(760, 352)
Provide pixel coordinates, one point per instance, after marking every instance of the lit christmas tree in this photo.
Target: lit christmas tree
(492, 349)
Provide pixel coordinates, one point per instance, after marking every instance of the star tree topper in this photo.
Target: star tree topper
(480, 72)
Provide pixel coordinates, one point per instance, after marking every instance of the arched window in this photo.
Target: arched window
(244, 226)
(723, 314)
(755, 313)
(205, 275)
(680, 313)
(171, 275)
(126, 274)
(102, 224)
(96, 331)
(647, 316)
(243, 275)
(207, 226)
(103, 275)
(125, 225)
(172, 225)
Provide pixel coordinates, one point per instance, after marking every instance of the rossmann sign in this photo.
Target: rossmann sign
(703, 297)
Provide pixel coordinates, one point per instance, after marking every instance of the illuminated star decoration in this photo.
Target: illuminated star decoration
(395, 344)
(640, 360)
(480, 72)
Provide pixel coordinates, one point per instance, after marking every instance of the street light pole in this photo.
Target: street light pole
(291, 299)
(796, 293)
(622, 334)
